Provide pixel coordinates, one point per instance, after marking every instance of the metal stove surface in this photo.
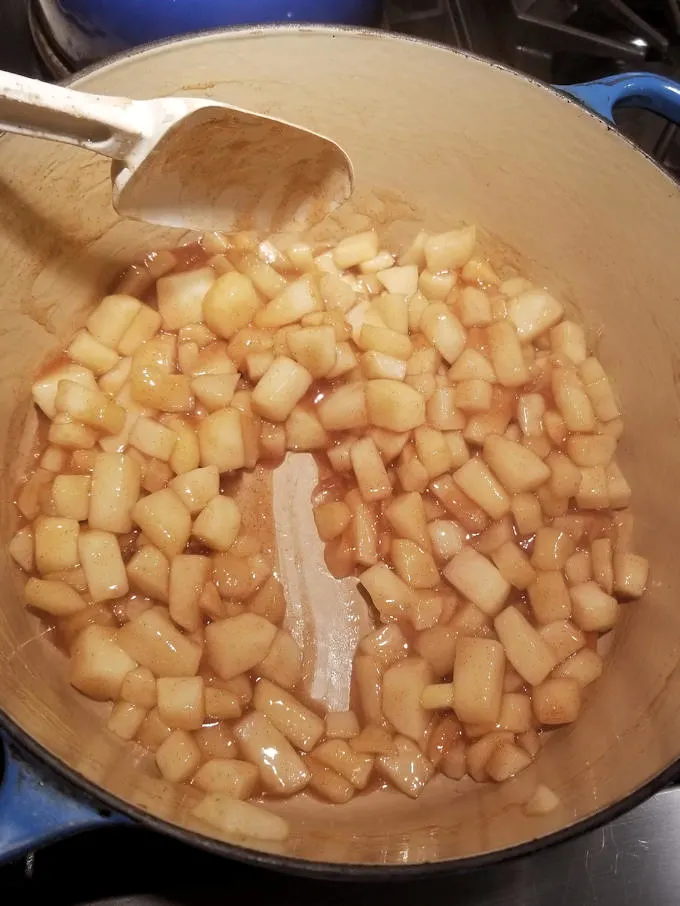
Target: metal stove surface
(632, 861)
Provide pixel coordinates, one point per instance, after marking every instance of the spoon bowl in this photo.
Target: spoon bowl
(191, 163)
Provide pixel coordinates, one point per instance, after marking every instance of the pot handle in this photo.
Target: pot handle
(631, 89)
(35, 808)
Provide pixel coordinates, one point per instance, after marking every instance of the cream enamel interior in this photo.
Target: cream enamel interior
(462, 139)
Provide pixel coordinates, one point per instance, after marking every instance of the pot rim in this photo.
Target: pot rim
(350, 871)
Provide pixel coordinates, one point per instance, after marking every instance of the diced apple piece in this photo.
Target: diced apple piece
(218, 524)
(353, 250)
(188, 574)
(403, 685)
(22, 549)
(242, 820)
(281, 769)
(414, 565)
(433, 451)
(402, 280)
(572, 400)
(345, 407)
(456, 501)
(390, 595)
(526, 511)
(474, 307)
(569, 339)
(542, 801)
(552, 548)
(513, 564)
(447, 251)
(371, 475)
(115, 490)
(98, 664)
(149, 571)
(65, 431)
(165, 521)
(86, 350)
(112, 317)
(283, 663)
(314, 348)
(443, 330)
(143, 327)
(101, 559)
(394, 405)
(215, 391)
(556, 701)
(44, 390)
(197, 487)
(447, 538)
(527, 651)
(406, 515)
(298, 724)
(593, 492)
(56, 543)
(436, 287)
(507, 761)
(477, 578)
(181, 296)
(441, 411)
(180, 701)
(599, 390)
(601, 562)
(517, 468)
(408, 770)
(90, 407)
(178, 756)
(220, 437)
(618, 489)
(591, 449)
(563, 637)
(437, 697)
(630, 574)
(53, 597)
(298, 299)
(228, 304)
(477, 481)
(585, 666)
(221, 704)
(515, 713)
(230, 776)
(385, 341)
(549, 597)
(341, 725)
(239, 577)
(376, 365)
(281, 387)
(478, 680)
(139, 688)
(593, 609)
(533, 312)
(71, 496)
(506, 355)
(332, 519)
(153, 641)
(237, 644)
(337, 755)
(126, 719)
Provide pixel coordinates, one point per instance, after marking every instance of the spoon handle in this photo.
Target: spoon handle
(108, 125)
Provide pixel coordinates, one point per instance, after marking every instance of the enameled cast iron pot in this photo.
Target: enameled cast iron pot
(589, 215)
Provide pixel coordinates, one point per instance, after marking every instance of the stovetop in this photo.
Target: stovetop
(632, 861)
